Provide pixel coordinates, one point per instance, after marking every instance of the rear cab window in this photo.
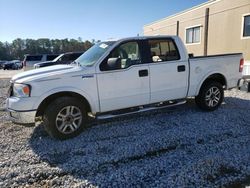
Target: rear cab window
(162, 50)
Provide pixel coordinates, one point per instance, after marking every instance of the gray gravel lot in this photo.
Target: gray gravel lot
(175, 147)
(9, 73)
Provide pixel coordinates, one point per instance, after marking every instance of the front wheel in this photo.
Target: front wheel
(210, 96)
(65, 118)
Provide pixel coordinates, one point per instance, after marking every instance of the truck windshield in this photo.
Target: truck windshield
(90, 57)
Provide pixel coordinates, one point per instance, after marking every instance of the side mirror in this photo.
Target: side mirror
(114, 63)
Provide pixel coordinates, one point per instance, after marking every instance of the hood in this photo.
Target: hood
(45, 73)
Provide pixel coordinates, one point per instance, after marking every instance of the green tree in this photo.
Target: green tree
(19, 47)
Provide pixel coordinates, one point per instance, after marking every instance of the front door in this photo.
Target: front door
(123, 81)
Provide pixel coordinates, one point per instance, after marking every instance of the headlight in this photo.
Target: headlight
(21, 90)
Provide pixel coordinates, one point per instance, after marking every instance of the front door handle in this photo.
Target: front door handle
(181, 68)
(143, 73)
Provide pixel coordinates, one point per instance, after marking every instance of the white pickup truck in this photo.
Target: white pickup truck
(120, 77)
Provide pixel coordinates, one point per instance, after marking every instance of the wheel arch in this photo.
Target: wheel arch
(218, 77)
(44, 104)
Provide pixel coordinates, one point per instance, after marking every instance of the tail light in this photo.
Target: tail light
(241, 65)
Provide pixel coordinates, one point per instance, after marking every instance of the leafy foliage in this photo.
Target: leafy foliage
(19, 47)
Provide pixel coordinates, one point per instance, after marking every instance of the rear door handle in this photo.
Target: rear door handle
(143, 73)
(181, 68)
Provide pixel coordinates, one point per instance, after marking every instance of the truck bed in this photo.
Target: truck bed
(203, 66)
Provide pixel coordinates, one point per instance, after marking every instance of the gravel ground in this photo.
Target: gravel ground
(8, 73)
(176, 147)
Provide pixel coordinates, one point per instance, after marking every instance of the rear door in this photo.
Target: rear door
(127, 84)
(168, 73)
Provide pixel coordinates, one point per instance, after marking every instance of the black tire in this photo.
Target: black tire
(206, 103)
(54, 114)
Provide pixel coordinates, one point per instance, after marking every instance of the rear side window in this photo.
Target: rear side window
(163, 50)
(33, 57)
(51, 57)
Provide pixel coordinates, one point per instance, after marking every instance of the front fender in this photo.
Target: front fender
(93, 105)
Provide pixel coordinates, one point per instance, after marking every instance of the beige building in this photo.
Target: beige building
(214, 27)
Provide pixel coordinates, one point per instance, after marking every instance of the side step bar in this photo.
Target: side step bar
(139, 110)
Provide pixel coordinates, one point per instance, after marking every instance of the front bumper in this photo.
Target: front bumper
(22, 117)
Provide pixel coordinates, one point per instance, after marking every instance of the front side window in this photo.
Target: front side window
(246, 26)
(193, 35)
(122, 57)
(163, 50)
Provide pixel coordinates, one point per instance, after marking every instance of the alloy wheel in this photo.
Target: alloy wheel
(69, 119)
(213, 96)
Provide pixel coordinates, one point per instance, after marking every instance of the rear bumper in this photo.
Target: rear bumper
(22, 117)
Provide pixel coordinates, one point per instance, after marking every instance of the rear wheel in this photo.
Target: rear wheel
(65, 118)
(210, 96)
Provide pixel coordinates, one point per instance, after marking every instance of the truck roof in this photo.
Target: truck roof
(143, 37)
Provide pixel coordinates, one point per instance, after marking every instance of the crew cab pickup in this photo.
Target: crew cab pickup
(120, 77)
